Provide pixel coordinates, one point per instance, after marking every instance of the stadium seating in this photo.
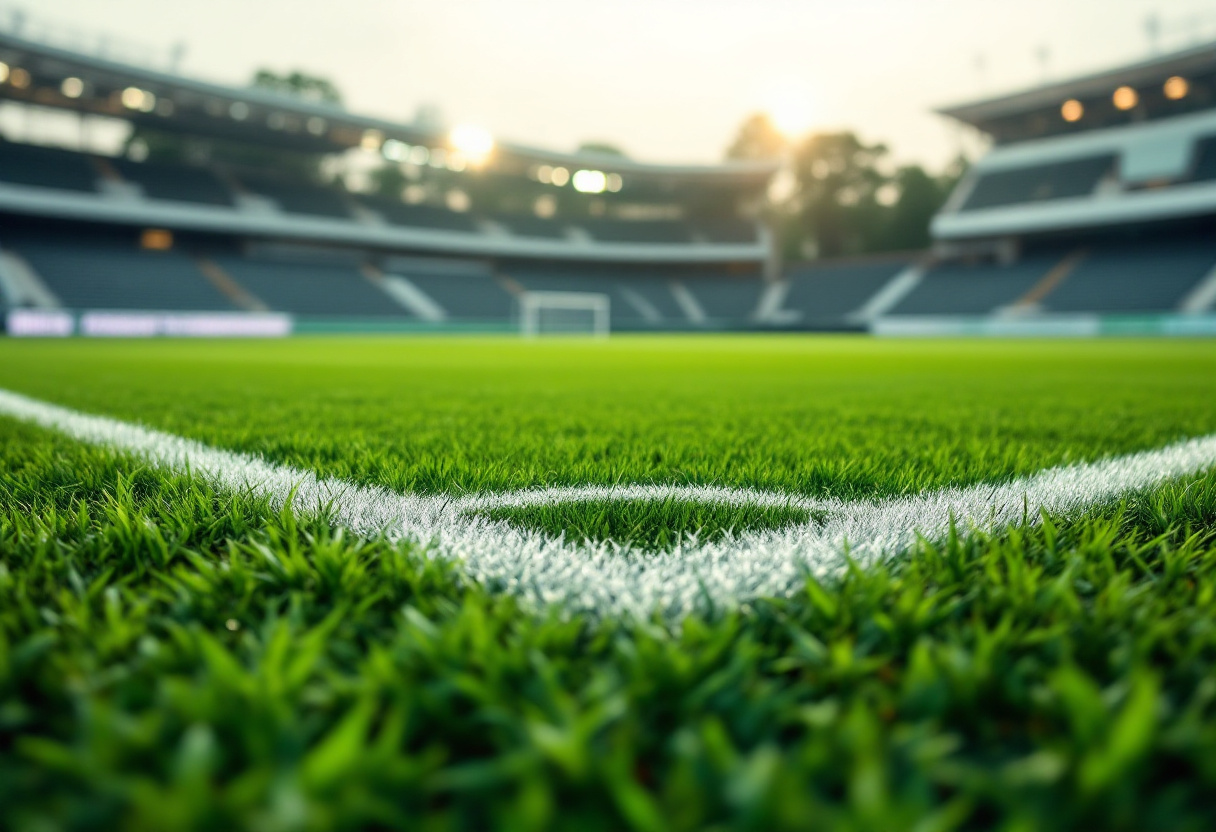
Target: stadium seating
(464, 294)
(825, 294)
(975, 289)
(1134, 277)
(176, 182)
(46, 167)
(728, 230)
(299, 197)
(396, 212)
(637, 231)
(99, 276)
(524, 226)
(321, 289)
(1059, 180)
(1204, 169)
(725, 299)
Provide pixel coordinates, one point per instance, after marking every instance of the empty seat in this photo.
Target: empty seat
(88, 276)
(1148, 277)
(1204, 169)
(524, 226)
(46, 167)
(978, 289)
(299, 197)
(727, 230)
(311, 288)
(827, 293)
(396, 212)
(176, 182)
(465, 296)
(1039, 183)
(726, 299)
(637, 231)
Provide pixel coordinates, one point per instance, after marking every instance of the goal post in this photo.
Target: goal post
(564, 313)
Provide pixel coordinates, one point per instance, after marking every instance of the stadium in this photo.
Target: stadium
(361, 473)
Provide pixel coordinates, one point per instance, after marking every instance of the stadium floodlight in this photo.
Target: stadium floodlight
(1072, 110)
(1176, 87)
(590, 181)
(1125, 98)
(3, 72)
(72, 87)
(372, 139)
(474, 143)
(564, 313)
(559, 177)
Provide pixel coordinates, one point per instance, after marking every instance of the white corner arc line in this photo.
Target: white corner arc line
(603, 579)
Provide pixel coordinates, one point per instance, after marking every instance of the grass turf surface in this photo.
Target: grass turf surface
(175, 658)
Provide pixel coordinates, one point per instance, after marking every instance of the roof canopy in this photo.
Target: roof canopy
(1160, 87)
(171, 102)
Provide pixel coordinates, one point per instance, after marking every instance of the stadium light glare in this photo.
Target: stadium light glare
(590, 181)
(372, 139)
(317, 126)
(156, 239)
(3, 72)
(19, 78)
(239, 111)
(474, 142)
(544, 174)
(395, 150)
(457, 161)
(1176, 88)
(1125, 98)
(615, 182)
(419, 155)
(560, 177)
(133, 97)
(72, 87)
(791, 111)
(1072, 110)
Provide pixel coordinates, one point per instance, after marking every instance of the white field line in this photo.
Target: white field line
(604, 579)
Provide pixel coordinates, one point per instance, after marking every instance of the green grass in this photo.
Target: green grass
(175, 658)
(653, 525)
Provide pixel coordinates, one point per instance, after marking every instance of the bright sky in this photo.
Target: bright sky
(667, 80)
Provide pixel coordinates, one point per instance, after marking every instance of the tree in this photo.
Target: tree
(836, 196)
(299, 85)
(758, 138)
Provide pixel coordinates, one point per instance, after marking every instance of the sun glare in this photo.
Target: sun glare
(792, 111)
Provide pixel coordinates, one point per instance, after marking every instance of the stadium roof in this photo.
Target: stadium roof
(188, 105)
(1092, 100)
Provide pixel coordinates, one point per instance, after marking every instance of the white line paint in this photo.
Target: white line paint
(1202, 298)
(889, 296)
(688, 303)
(604, 579)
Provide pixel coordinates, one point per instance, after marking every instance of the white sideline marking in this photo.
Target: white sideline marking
(604, 579)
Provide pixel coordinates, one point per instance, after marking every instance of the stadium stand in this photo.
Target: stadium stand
(181, 183)
(298, 197)
(467, 292)
(825, 294)
(100, 276)
(418, 216)
(319, 289)
(523, 226)
(46, 167)
(1134, 277)
(1205, 160)
(637, 231)
(975, 289)
(1058, 180)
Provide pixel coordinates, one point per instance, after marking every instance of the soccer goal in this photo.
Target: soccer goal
(564, 313)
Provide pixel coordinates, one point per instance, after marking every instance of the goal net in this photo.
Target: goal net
(564, 313)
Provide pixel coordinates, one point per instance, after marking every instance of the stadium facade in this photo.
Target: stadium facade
(1096, 209)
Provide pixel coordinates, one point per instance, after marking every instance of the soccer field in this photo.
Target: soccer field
(179, 653)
